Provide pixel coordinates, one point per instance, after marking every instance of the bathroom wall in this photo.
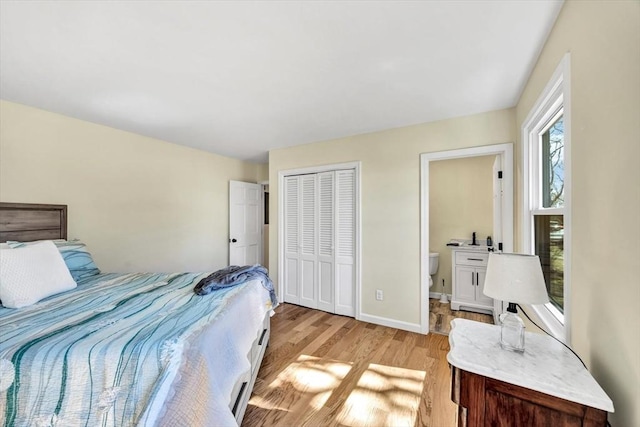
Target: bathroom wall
(460, 202)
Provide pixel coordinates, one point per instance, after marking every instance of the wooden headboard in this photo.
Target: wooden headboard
(25, 222)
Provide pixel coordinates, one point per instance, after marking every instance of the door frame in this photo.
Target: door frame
(505, 151)
(358, 256)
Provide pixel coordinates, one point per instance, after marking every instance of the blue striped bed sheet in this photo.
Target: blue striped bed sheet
(105, 353)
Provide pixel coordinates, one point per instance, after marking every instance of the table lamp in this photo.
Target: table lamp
(514, 278)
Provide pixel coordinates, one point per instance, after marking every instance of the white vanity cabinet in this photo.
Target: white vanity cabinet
(469, 267)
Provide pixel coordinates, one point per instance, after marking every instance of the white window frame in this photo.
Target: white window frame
(554, 100)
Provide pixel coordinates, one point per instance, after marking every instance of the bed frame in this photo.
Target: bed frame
(244, 386)
(30, 221)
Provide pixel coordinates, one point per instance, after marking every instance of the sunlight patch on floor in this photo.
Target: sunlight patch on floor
(381, 396)
(313, 375)
(384, 395)
(265, 404)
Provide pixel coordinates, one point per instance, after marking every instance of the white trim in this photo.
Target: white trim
(318, 169)
(541, 314)
(504, 150)
(391, 323)
(358, 258)
(549, 211)
(556, 94)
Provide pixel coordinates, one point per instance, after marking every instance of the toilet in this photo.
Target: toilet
(433, 266)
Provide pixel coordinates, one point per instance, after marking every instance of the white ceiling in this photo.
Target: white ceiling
(241, 78)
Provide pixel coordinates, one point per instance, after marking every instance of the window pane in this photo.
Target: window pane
(549, 246)
(553, 165)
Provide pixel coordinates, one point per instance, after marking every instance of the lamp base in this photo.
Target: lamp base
(511, 332)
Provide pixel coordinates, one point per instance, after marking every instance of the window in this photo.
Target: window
(547, 208)
(546, 196)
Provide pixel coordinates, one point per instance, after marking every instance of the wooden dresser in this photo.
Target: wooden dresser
(544, 386)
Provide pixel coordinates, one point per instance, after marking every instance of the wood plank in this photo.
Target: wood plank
(30, 221)
(19, 219)
(30, 236)
(323, 369)
(441, 315)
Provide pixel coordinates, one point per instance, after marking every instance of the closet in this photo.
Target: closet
(319, 240)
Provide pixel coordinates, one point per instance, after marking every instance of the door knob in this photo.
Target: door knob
(233, 240)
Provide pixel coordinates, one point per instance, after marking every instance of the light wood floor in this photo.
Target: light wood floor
(441, 315)
(327, 370)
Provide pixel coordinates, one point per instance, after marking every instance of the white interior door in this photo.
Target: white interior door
(291, 213)
(309, 238)
(319, 213)
(326, 239)
(245, 223)
(303, 267)
(497, 200)
(498, 208)
(345, 253)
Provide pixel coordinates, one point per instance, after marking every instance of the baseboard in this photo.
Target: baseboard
(391, 323)
(436, 295)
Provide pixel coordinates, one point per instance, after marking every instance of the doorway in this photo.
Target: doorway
(502, 211)
(245, 223)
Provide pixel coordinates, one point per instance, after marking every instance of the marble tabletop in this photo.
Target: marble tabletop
(546, 365)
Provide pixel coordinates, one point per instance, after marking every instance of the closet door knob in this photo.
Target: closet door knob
(234, 240)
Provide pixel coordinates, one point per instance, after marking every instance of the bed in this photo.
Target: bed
(139, 349)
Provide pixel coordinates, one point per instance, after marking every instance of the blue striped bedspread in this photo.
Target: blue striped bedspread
(103, 353)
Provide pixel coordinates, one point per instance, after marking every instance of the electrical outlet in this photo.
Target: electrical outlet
(379, 295)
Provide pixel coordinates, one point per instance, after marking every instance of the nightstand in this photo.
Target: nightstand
(544, 386)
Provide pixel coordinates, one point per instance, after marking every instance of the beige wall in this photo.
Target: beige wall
(262, 172)
(604, 41)
(390, 187)
(460, 202)
(140, 204)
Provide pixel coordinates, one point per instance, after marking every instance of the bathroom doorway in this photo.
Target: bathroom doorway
(461, 193)
(498, 162)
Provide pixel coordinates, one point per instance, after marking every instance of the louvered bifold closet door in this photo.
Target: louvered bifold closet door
(292, 241)
(309, 242)
(320, 246)
(345, 246)
(326, 237)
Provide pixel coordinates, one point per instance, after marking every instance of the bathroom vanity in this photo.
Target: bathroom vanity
(469, 267)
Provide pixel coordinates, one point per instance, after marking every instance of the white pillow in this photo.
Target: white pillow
(31, 273)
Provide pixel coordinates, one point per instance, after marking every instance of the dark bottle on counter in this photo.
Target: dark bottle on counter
(489, 241)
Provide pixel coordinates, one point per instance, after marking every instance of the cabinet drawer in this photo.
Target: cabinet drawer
(472, 258)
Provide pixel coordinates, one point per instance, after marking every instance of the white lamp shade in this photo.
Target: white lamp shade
(515, 278)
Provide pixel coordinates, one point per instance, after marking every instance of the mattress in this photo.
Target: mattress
(126, 349)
